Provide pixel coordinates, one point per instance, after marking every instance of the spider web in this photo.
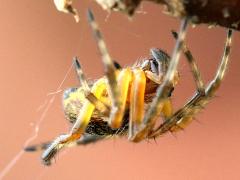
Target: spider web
(47, 105)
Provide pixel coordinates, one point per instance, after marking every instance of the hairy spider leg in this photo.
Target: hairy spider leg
(164, 89)
(109, 67)
(80, 74)
(117, 95)
(197, 79)
(85, 114)
(138, 86)
(118, 90)
(183, 116)
(123, 81)
(84, 140)
(193, 65)
(216, 82)
(99, 105)
(79, 127)
(136, 101)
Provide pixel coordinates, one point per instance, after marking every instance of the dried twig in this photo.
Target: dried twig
(225, 13)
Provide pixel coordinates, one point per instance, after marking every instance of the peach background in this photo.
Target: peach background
(37, 44)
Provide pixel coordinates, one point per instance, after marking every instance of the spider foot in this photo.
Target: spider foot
(53, 149)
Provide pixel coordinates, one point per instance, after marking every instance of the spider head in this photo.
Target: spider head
(158, 64)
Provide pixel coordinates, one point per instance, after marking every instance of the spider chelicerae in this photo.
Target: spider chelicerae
(129, 101)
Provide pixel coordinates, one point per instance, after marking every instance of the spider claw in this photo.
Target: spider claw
(53, 149)
(49, 154)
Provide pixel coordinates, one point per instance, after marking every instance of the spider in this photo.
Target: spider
(129, 101)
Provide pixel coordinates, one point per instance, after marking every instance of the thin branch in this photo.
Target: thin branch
(225, 13)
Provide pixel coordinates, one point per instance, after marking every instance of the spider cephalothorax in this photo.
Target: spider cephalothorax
(129, 101)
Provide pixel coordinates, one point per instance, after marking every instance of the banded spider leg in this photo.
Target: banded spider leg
(181, 118)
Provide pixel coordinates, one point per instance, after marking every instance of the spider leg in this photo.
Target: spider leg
(136, 114)
(159, 65)
(136, 101)
(78, 128)
(84, 140)
(109, 66)
(197, 78)
(193, 65)
(88, 138)
(164, 89)
(118, 88)
(215, 83)
(117, 112)
(136, 98)
(184, 116)
(99, 105)
(167, 109)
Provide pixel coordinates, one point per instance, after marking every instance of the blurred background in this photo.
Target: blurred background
(37, 44)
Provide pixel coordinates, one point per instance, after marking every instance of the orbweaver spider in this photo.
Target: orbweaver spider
(116, 103)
